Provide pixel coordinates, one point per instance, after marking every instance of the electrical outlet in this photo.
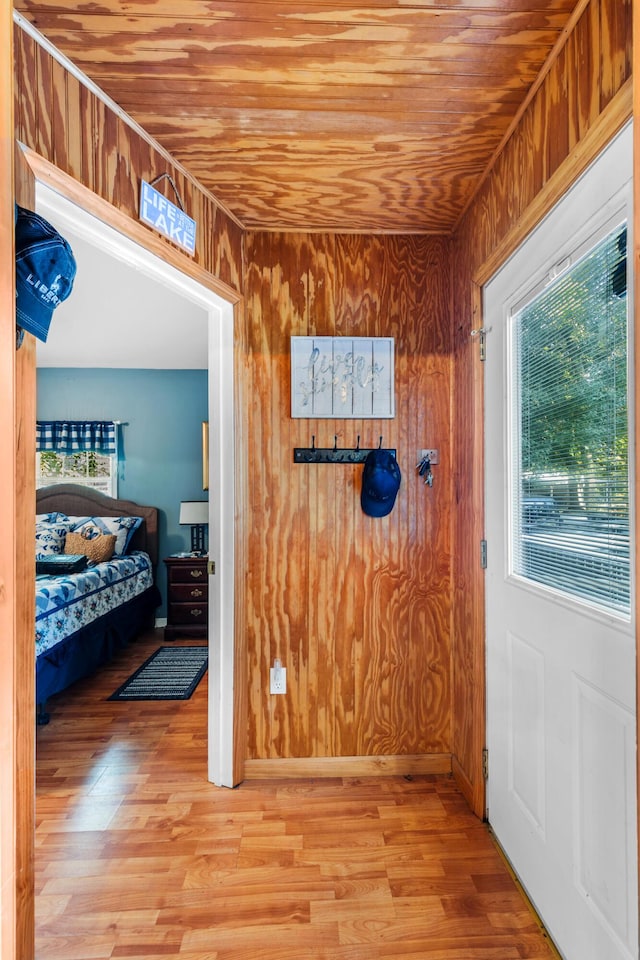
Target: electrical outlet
(434, 456)
(278, 678)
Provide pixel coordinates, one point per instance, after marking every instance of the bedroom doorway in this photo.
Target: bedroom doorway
(203, 307)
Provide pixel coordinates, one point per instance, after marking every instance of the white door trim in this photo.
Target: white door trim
(220, 313)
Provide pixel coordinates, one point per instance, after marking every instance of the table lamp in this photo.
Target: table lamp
(196, 513)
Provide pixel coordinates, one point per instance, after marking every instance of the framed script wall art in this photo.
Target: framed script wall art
(342, 377)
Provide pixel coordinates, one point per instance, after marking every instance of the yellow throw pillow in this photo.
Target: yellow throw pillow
(97, 549)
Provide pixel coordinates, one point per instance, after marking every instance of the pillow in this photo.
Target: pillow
(50, 538)
(96, 549)
(54, 517)
(123, 528)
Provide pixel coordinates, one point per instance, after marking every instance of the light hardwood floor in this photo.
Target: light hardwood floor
(137, 855)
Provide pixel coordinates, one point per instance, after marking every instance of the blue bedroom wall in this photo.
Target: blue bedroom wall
(161, 437)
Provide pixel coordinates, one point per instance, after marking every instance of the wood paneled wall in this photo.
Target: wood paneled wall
(582, 101)
(68, 125)
(357, 609)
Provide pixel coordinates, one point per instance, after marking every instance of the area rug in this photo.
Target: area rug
(171, 673)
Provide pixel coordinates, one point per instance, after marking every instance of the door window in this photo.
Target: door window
(570, 468)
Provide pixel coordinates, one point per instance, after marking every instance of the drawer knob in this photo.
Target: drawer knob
(196, 593)
(196, 612)
(196, 573)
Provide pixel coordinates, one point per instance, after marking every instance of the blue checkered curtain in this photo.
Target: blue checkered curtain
(72, 436)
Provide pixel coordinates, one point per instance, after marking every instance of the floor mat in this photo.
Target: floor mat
(171, 673)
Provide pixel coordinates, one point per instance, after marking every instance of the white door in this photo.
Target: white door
(561, 699)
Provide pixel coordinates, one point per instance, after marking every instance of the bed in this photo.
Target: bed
(83, 618)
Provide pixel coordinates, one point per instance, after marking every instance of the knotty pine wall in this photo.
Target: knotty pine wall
(582, 101)
(357, 609)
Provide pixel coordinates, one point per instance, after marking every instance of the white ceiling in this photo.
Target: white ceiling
(117, 315)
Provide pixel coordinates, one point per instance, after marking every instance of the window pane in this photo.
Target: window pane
(570, 511)
(96, 470)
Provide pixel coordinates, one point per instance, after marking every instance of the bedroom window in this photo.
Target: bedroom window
(83, 452)
(97, 470)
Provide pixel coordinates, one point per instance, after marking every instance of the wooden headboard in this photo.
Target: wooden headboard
(78, 501)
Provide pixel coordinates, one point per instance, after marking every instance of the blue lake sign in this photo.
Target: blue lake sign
(167, 218)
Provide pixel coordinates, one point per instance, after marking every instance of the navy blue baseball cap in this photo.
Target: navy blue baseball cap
(45, 271)
(380, 483)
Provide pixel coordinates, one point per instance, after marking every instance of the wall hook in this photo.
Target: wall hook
(380, 444)
(335, 443)
(358, 444)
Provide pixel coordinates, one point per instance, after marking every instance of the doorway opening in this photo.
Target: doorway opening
(205, 331)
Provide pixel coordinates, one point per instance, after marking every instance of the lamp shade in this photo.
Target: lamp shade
(194, 511)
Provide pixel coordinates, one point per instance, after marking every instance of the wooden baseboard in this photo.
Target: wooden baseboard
(315, 767)
(476, 803)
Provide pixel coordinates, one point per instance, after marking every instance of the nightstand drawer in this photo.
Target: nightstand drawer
(190, 592)
(188, 613)
(189, 573)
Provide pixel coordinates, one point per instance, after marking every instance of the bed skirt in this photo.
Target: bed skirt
(92, 646)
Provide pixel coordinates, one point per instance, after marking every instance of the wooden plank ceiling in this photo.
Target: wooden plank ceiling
(318, 115)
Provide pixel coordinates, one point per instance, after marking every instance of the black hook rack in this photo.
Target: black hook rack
(335, 454)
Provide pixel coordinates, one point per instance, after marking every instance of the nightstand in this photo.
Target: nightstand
(187, 597)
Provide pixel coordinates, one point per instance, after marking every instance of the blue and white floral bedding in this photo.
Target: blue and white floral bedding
(64, 604)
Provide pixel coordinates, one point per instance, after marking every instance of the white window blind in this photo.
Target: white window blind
(570, 478)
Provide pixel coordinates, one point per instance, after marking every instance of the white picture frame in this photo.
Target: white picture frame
(337, 378)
